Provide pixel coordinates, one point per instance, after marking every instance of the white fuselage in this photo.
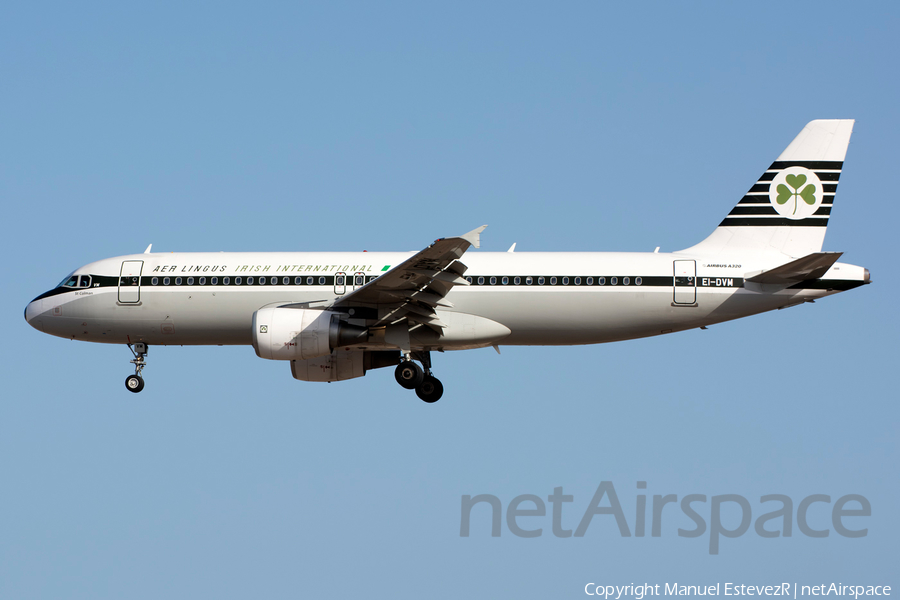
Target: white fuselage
(546, 298)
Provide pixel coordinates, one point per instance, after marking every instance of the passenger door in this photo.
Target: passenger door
(130, 281)
(685, 282)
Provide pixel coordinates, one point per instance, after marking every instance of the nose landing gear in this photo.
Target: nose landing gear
(135, 383)
(413, 377)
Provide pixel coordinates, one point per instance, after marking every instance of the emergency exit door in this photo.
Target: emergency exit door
(340, 283)
(685, 282)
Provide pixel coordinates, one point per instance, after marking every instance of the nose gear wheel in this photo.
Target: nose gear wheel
(135, 383)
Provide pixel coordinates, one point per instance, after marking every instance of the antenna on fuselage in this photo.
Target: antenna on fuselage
(147, 251)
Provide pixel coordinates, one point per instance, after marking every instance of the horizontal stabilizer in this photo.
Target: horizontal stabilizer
(811, 266)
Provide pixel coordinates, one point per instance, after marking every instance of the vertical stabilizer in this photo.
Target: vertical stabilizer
(788, 209)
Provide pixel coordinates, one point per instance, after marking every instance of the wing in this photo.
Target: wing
(417, 286)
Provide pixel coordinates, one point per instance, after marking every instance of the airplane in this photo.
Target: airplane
(338, 315)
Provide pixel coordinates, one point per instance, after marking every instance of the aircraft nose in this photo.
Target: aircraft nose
(33, 312)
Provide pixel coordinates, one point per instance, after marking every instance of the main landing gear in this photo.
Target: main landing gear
(135, 383)
(413, 377)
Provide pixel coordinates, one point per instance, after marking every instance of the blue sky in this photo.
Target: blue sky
(286, 126)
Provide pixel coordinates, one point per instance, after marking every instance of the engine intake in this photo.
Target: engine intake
(281, 333)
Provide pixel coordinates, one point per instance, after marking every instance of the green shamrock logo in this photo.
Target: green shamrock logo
(785, 193)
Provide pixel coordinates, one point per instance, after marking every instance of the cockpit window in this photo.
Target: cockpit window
(74, 281)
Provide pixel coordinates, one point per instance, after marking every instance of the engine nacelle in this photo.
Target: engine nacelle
(281, 333)
(337, 366)
(341, 365)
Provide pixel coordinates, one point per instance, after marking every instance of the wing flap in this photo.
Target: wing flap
(418, 285)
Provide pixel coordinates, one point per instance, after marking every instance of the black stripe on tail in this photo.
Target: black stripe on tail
(755, 208)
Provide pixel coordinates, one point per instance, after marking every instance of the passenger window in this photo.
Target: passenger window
(578, 281)
(638, 281)
(286, 281)
(321, 281)
(249, 281)
(589, 281)
(529, 280)
(190, 281)
(298, 281)
(226, 280)
(517, 280)
(262, 281)
(481, 281)
(565, 281)
(309, 281)
(202, 281)
(273, 280)
(178, 281)
(214, 281)
(166, 281)
(553, 281)
(505, 280)
(614, 280)
(238, 281)
(359, 280)
(493, 281)
(626, 280)
(541, 281)
(154, 281)
(339, 280)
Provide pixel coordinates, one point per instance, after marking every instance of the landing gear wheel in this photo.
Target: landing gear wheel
(134, 383)
(430, 390)
(408, 374)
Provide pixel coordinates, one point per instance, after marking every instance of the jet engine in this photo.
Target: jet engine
(343, 364)
(284, 333)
